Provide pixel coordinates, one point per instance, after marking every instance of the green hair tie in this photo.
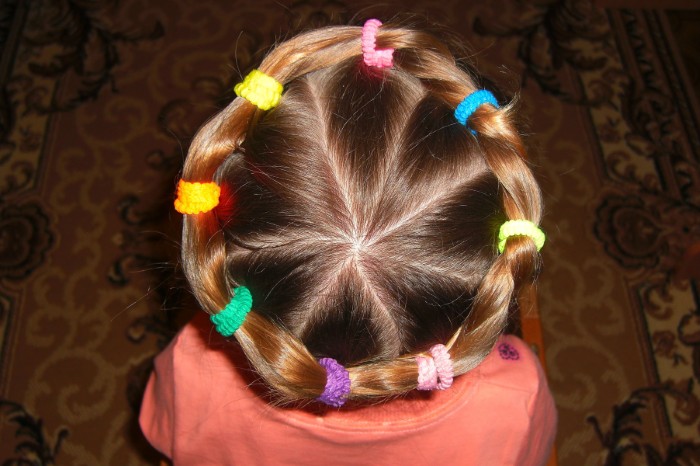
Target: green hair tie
(232, 316)
(520, 228)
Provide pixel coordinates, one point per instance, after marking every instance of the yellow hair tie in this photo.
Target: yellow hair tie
(520, 228)
(196, 198)
(259, 89)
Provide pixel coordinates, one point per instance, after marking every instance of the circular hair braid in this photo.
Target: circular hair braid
(279, 357)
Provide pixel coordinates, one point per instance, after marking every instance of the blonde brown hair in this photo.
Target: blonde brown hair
(361, 215)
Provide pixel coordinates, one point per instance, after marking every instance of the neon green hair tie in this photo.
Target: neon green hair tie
(232, 316)
(520, 228)
(259, 89)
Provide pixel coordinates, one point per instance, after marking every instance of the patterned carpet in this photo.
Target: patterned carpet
(100, 98)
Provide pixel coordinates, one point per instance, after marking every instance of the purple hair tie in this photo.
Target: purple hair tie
(337, 383)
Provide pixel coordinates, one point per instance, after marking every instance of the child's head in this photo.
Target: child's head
(361, 215)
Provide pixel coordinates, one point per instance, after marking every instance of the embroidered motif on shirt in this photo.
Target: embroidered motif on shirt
(506, 351)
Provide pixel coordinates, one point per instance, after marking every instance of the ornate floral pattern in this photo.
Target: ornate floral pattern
(24, 240)
(62, 41)
(33, 447)
(645, 169)
(624, 442)
(89, 47)
(645, 231)
(553, 36)
(507, 352)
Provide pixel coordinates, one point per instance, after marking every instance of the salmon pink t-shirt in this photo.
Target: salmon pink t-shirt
(202, 407)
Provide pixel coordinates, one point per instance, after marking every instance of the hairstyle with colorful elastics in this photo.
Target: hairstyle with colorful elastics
(365, 218)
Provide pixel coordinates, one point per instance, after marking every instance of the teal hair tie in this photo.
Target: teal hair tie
(232, 316)
(470, 103)
(520, 228)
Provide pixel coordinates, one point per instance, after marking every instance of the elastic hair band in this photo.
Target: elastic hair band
(443, 366)
(259, 89)
(196, 198)
(435, 371)
(379, 58)
(470, 103)
(427, 373)
(520, 228)
(337, 383)
(232, 316)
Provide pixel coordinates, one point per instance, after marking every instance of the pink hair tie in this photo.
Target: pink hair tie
(443, 365)
(427, 373)
(382, 58)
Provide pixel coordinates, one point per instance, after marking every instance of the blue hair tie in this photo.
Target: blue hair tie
(471, 102)
(232, 316)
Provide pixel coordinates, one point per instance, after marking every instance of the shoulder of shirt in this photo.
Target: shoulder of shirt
(196, 340)
(512, 364)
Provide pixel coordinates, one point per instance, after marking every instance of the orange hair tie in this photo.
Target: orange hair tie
(196, 198)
